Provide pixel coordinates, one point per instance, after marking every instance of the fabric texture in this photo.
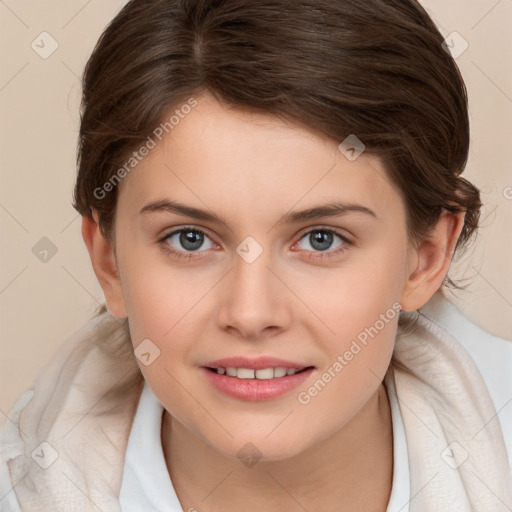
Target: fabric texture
(63, 446)
(146, 484)
(69, 410)
(458, 459)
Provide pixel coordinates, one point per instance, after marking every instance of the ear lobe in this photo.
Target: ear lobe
(431, 261)
(104, 265)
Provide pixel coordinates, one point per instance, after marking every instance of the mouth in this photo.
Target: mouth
(260, 373)
(256, 384)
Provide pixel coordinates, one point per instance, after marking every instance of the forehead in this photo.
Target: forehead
(220, 157)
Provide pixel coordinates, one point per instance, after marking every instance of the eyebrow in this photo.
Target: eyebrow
(332, 209)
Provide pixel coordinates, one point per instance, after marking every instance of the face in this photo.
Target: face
(242, 274)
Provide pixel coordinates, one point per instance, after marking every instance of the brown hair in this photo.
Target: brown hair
(373, 68)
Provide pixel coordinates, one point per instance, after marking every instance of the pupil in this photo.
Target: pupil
(320, 240)
(191, 240)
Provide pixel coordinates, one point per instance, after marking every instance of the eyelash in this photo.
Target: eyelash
(318, 255)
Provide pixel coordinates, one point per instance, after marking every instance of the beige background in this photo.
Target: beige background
(41, 303)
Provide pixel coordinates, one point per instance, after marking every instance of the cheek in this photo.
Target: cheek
(157, 292)
(358, 357)
(353, 296)
(164, 306)
(358, 310)
(170, 306)
(161, 302)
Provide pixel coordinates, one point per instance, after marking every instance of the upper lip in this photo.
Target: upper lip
(257, 363)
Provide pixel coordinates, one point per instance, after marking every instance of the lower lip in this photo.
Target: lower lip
(256, 389)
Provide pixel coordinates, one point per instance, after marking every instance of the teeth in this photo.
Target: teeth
(245, 373)
(262, 374)
(280, 372)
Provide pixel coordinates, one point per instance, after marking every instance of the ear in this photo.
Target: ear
(429, 264)
(104, 264)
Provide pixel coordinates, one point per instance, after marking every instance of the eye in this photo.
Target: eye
(186, 240)
(320, 240)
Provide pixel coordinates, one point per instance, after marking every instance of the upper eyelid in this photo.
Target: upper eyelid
(337, 231)
(173, 231)
(300, 236)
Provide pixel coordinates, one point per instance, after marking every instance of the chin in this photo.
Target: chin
(252, 449)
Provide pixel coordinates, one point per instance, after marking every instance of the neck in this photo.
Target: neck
(353, 467)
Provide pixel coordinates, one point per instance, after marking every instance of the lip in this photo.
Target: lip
(255, 389)
(257, 363)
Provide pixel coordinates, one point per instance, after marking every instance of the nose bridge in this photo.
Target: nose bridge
(255, 298)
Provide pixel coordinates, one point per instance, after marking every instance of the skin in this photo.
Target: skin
(290, 303)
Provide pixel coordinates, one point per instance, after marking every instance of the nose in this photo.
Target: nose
(254, 303)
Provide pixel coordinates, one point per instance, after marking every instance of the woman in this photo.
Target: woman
(271, 199)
